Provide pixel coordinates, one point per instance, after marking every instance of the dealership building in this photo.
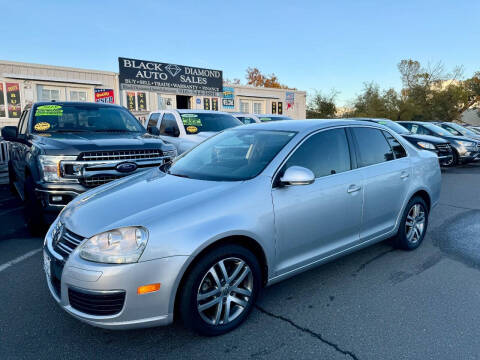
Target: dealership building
(141, 86)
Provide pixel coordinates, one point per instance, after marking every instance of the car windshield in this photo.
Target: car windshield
(234, 155)
(201, 122)
(83, 118)
(436, 129)
(273, 118)
(399, 129)
(462, 130)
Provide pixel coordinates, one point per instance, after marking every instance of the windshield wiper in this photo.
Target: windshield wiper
(179, 175)
(69, 130)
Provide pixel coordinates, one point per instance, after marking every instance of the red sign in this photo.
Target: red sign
(104, 96)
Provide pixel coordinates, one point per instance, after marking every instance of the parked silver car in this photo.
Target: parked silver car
(186, 128)
(259, 118)
(246, 208)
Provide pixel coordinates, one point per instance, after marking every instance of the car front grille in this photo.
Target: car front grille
(444, 147)
(97, 180)
(96, 303)
(131, 155)
(67, 243)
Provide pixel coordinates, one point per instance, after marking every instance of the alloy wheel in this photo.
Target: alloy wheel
(225, 291)
(415, 223)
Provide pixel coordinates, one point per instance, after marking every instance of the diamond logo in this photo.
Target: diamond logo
(172, 69)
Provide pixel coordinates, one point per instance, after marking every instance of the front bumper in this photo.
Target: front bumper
(138, 311)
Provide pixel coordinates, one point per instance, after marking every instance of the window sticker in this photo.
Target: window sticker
(191, 119)
(42, 126)
(49, 110)
(192, 129)
(382, 122)
(263, 119)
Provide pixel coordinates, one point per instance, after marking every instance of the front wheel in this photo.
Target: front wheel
(33, 210)
(413, 225)
(220, 291)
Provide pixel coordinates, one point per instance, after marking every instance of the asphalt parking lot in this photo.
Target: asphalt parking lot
(377, 303)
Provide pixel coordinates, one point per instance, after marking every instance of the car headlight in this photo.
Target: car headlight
(49, 166)
(466, 143)
(426, 145)
(119, 246)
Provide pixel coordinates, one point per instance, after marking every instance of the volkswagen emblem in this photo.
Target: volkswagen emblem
(126, 167)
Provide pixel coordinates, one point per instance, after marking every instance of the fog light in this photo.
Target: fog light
(145, 289)
(57, 198)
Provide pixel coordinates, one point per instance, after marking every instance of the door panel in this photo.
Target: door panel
(314, 221)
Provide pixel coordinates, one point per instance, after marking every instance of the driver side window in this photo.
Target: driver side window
(325, 153)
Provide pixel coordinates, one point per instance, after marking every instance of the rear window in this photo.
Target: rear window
(83, 118)
(202, 122)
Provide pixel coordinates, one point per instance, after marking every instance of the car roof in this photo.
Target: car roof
(99, 104)
(189, 111)
(305, 125)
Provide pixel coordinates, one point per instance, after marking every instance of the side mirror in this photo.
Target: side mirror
(297, 175)
(9, 133)
(153, 130)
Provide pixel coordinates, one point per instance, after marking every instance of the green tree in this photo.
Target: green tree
(322, 106)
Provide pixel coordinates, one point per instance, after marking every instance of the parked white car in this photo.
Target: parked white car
(259, 118)
(186, 128)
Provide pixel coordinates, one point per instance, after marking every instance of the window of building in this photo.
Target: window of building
(325, 153)
(78, 95)
(257, 108)
(49, 93)
(244, 106)
(372, 146)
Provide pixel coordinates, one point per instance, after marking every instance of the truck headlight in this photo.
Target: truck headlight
(119, 246)
(426, 145)
(466, 143)
(49, 166)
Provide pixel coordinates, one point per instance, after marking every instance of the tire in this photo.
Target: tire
(405, 239)
(33, 210)
(204, 301)
(454, 161)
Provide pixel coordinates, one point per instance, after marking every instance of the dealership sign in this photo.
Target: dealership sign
(179, 79)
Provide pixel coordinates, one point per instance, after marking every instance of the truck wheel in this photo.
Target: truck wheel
(33, 209)
(220, 290)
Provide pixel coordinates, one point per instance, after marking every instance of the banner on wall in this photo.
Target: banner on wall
(104, 96)
(142, 102)
(13, 100)
(290, 99)
(2, 101)
(215, 104)
(228, 101)
(280, 108)
(274, 107)
(146, 75)
(131, 104)
(206, 104)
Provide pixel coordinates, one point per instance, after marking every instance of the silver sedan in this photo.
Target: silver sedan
(199, 238)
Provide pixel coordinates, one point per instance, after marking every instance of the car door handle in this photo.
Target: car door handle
(353, 188)
(404, 175)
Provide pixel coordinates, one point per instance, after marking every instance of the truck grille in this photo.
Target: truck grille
(96, 303)
(97, 180)
(67, 243)
(121, 155)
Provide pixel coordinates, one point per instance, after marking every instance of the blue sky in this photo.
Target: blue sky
(310, 45)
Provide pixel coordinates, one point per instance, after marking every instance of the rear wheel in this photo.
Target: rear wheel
(33, 209)
(220, 291)
(413, 225)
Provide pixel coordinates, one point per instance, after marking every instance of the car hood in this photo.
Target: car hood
(139, 200)
(75, 143)
(428, 138)
(459, 138)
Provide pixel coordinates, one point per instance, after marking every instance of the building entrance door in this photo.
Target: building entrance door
(184, 102)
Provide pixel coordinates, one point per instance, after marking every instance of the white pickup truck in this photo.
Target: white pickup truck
(186, 128)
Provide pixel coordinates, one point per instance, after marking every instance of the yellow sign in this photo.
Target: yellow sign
(192, 129)
(42, 126)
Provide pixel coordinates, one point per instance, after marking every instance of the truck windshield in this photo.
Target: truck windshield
(233, 155)
(201, 122)
(83, 118)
